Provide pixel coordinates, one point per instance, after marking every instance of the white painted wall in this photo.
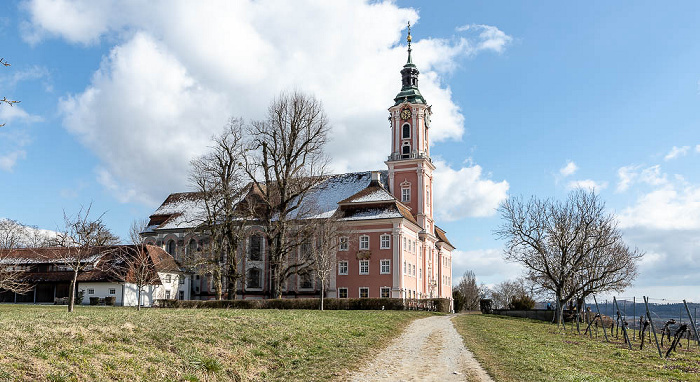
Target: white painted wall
(101, 290)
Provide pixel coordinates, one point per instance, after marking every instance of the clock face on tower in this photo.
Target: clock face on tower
(405, 113)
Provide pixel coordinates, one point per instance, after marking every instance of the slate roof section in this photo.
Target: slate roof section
(101, 260)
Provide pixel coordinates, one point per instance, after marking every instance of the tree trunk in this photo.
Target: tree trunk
(560, 309)
(71, 300)
(138, 299)
(323, 293)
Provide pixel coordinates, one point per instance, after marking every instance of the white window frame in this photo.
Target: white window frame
(344, 244)
(364, 243)
(385, 241)
(384, 266)
(112, 291)
(360, 292)
(91, 291)
(168, 278)
(404, 267)
(343, 267)
(364, 264)
(403, 136)
(388, 292)
(405, 194)
(346, 292)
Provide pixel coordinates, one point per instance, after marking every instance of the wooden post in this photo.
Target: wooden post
(653, 330)
(624, 329)
(601, 318)
(634, 313)
(692, 322)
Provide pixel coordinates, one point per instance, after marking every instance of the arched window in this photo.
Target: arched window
(253, 278)
(406, 132)
(406, 151)
(171, 248)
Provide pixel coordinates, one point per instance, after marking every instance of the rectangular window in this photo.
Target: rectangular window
(181, 279)
(342, 267)
(385, 242)
(181, 295)
(112, 291)
(343, 244)
(384, 292)
(364, 267)
(404, 267)
(385, 266)
(91, 291)
(405, 194)
(306, 282)
(420, 273)
(414, 269)
(167, 295)
(364, 292)
(404, 243)
(255, 248)
(364, 242)
(168, 278)
(342, 292)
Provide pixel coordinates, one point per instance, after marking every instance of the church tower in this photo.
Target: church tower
(410, 166)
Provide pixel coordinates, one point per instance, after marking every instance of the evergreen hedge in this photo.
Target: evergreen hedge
(434, 304)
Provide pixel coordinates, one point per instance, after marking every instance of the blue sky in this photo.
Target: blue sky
(529, 99)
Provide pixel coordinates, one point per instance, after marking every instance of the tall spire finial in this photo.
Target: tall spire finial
(408, 39)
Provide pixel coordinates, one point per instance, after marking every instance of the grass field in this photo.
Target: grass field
(515, 349)
(106, 343)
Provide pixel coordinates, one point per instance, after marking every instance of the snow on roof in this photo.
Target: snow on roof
(184, 210)
(373, 213)
(323, 198)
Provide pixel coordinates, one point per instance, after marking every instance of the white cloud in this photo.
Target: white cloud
(697, 148)
(488, 265)
(14, 136)
(630, 175)
(587, 184)
(9, 160)
(676, 152)
(465, 192)
(166, 87)
(668, 207)
(569, 169)
(490, 37)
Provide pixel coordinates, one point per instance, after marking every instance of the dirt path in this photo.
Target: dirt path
(430, 349)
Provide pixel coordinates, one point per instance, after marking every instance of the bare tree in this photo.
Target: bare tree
(470, 291)
(286, 159)
(568, 248)
(14, 235)
(81, 236)
(10, 102)
(327, 234)
(220, 178)
(505, 292)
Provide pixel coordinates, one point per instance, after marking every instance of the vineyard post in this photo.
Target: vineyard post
(653, 330)
(634, 313)
(692, 322)
(624, 328)
(601, 318)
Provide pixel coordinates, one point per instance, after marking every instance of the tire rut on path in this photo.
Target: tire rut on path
(430, 349)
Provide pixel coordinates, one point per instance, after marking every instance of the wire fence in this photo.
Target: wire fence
(667, 325)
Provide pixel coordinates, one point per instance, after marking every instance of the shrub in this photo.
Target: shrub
(94, 300)
(435, 304)
(459, 300)
(110, 300)
(522, 303)
(79, 295)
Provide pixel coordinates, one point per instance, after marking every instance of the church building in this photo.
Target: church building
(392, 248)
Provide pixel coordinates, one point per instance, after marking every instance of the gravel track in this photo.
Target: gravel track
(430, 349)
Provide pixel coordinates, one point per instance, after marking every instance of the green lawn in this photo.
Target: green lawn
(107, 343)
(515, 349)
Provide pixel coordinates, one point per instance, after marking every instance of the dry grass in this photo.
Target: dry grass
(46, 343)
(516, 349)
